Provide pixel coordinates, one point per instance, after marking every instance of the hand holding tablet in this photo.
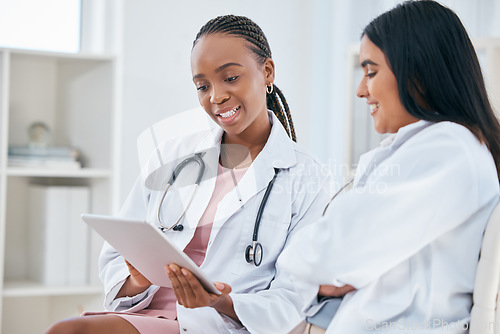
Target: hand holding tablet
(146, 248)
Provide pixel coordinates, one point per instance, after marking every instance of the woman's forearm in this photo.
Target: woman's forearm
(130, 289)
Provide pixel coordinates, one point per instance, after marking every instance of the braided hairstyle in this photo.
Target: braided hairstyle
(243, 27)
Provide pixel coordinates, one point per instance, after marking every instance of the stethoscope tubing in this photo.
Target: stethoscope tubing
(263, 204)
(336, 194)
(195, 158)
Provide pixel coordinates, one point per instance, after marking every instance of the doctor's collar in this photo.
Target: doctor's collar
(401, 134)
(279, 149)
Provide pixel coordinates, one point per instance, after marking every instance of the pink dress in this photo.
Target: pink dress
(161, 314)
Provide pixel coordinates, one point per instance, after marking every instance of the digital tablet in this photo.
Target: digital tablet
(146, 248)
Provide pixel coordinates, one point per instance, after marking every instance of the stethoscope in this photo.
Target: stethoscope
(254, 252)
(175, 174)
(336, 194)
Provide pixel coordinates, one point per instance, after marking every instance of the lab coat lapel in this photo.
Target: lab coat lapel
(277, 153)
(254, 181)
(369, 161)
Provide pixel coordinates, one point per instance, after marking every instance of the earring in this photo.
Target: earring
(269, 89)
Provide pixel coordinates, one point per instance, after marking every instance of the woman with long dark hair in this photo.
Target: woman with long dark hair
(404, 242)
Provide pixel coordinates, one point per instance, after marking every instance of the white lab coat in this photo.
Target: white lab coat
(264, 298)
(408, 239)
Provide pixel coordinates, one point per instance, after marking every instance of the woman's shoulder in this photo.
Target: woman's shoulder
(451, 136)
(451, 144)
(452, 129)
(306, 157)
(445, 134)
(308, 165)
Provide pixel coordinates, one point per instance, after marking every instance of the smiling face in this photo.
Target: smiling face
(380, 88)
(231, 86)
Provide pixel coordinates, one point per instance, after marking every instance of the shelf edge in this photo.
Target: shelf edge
(78, 173)
(32, 290)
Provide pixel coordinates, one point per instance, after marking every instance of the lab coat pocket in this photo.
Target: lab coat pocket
(272, 236)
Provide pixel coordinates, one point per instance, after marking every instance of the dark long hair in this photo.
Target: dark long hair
(243, 27)
(436, 68)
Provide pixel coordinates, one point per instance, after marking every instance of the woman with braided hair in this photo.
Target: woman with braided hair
(233, 73)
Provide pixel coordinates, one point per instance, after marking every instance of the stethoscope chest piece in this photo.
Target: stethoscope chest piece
(254, 253)
(178, 227)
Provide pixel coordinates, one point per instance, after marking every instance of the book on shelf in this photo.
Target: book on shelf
(28, 162)
(49, 151)
(58, 240)
(51, 157)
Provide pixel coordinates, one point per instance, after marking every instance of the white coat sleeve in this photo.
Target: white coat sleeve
(278, 309)
(112, 268)
(368, 231)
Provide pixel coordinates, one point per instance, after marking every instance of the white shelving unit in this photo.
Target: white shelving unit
(76, 95)
(361, 135)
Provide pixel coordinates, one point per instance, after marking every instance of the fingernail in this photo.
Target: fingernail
(184, 271)
(173, 268)
(219, 286)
